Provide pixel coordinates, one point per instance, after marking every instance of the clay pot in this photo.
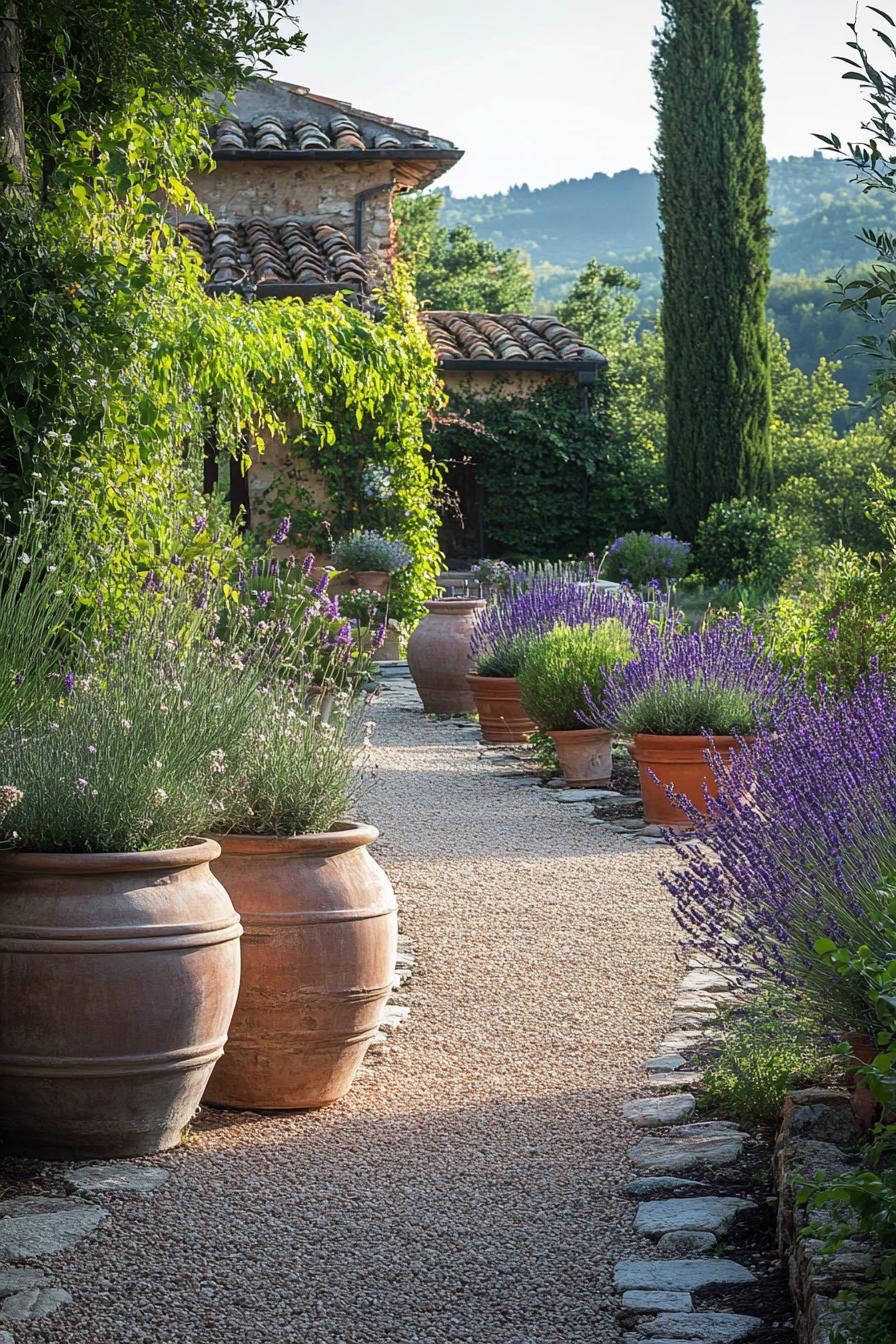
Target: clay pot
(439, 655)
(318, 965)
(501, 714)
(863, 1101)
(118, 978)
(376, 580)
(586, 756)
(390, 649)
(679, 762)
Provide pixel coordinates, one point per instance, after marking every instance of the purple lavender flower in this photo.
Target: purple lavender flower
(379, 636)
(549, 601)
(321, 586)
(343, 635)
(81, 785)
(282, 531)
(307, 564)
(263, 597)
(725, 668)
(68, 683)
(150, 583)
(199, 523)
(799, 845)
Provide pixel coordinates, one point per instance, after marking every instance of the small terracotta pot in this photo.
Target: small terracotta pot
(679, 762)
(376, 580)
(118, 978)
(863, 1101)
(501, 714)
(318, 966)
(439, 656)
(586, 756)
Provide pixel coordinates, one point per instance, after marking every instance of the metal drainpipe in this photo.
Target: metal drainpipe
(360, 201)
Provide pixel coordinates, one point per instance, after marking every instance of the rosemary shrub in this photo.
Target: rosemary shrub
(559, 665)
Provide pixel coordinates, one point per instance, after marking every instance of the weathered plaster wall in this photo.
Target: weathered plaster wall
(503, 383)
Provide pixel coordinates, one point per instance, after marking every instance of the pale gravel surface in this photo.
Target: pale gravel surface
(469, 1188)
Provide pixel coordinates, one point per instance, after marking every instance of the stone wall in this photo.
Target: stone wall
(502, 383)
(239, 189)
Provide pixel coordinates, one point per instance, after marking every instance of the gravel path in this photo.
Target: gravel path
(469, 1188)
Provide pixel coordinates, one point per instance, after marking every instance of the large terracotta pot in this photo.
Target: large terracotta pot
(679, 762)
(318, 966)
(375, 580)
(439, 655)
(501, 714)
(118, 978)
(585, 755)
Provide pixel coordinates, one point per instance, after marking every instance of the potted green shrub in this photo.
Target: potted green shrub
(556, 669)
(119, 949)
(320, 913)
(371, 558)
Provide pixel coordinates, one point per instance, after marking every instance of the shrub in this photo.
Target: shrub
(799, 847)
(766, 1049)
(505, 660)
(558, 665)
(371, 550)
(132, 755)
(740, 541)
(719, 680)
(295, 775)
(497, 576)
(638, 557)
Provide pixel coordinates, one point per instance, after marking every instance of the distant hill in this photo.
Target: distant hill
(816, 213)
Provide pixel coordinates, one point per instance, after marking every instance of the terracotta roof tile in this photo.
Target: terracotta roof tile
(508, 336)
(336, 133)
(288, 250)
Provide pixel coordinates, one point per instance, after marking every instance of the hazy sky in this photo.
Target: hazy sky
(539, 90)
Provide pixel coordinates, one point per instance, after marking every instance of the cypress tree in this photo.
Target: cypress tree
(712, 171)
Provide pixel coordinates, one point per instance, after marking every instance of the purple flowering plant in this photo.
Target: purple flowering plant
(503, 628)
(798, 853)
(638, 557)
(720, 680)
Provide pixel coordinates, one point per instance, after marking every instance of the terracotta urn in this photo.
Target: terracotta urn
(318, 966)
(375, 580)
(501, 714)
(118, 978)
(439, 656)
(679, 762)
(585, 755)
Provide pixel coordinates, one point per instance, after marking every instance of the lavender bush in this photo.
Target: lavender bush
(131, 748)
(510, 621)
(719, 680)
(638, 557)
(371, 550)
(801, 846)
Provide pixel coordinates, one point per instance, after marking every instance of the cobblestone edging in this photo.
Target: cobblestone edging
(819, 1137)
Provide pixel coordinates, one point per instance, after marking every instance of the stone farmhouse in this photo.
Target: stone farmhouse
(302, 201)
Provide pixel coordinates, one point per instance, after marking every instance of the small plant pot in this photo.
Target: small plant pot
(501, 714)
(585, 755)
(439, 655)
(679, 763)
(375, 580)
(319, 700)
(390, 649)
(863, 1101)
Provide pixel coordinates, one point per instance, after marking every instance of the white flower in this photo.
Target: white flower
(159, 797)
(217, 762)
(217, 806)
(126, 724)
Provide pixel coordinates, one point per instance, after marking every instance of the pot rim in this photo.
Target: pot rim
(476, 680)
(436, 605)
(582, 734)
(195, 851)
(345, 836)
(695, 739)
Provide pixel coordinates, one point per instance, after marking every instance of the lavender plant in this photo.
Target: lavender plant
(371, 550)
(522, 615)
(296, 774)
(720, 680)
(638, 557)
(799, 850)
(557, 667)
(131, 751)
